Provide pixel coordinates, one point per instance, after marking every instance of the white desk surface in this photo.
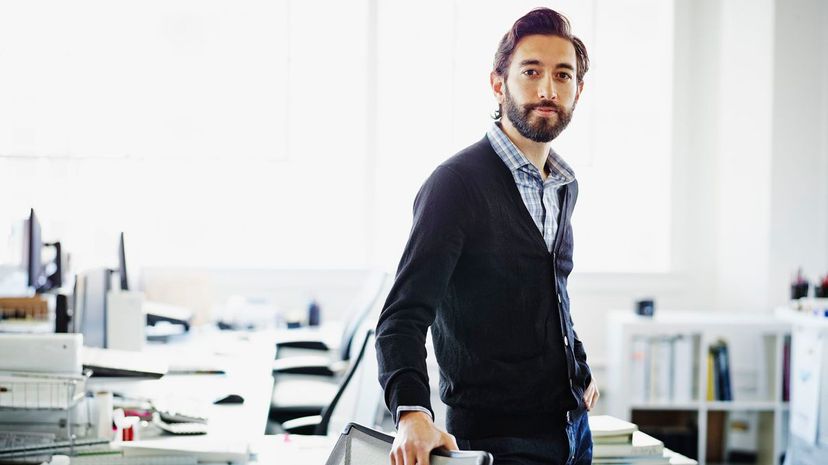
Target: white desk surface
(292, 449)
(246, 359)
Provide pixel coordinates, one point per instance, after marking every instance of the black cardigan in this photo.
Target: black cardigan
(476, 269)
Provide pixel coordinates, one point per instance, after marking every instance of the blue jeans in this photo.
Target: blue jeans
(572, 445)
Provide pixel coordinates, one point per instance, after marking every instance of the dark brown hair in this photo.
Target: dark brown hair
(539, 21)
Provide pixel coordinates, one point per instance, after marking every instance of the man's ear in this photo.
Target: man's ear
(578, 92)
(497, 83)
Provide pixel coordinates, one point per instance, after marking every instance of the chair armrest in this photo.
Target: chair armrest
(301, 361)
(303, 425)
(317, 366)
(309, 344)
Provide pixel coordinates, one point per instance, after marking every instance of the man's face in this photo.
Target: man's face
(540, 91)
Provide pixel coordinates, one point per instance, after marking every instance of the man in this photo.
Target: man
(486, 267)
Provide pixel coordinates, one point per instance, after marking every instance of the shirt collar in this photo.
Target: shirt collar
(560, 172)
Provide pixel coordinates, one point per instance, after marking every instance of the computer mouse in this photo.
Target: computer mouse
(230, 399)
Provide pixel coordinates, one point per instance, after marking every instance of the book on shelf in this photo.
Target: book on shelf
(742, 437)
(662, 369)
(711, 377)
(721, 371)
(683, 378)
(661, 366)
(640, 372)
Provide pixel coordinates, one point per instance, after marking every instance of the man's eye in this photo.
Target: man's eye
(531, 72)
(564, 76)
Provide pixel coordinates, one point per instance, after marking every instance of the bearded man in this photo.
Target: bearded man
(486, 267)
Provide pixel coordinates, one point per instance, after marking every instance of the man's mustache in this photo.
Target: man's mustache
(543, 103)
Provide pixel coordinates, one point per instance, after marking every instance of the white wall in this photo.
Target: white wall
(800, 147)
(749, 159)
(750, 165)
(743, 184)
(167, 121)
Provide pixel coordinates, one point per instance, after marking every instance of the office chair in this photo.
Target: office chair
(305, 395)
(364, 446)
(323, 365)
(358, 399)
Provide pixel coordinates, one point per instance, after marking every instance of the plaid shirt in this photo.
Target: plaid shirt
(539, 196)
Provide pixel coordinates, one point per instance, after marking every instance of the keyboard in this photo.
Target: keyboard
(11, 439)
(179, 428)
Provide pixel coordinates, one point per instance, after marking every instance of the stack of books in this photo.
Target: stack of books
(719, 385)
(618, 442)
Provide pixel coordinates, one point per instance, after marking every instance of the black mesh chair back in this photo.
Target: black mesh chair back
(361, 307)
(359, 394)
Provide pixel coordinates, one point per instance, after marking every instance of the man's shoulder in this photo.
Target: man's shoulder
(463, 174)
(472, 159)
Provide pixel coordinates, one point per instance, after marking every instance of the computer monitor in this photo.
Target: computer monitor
(42, 277)
(90, 304)
(33, 248)
(122, 269)
(53, 270)
(89, 308)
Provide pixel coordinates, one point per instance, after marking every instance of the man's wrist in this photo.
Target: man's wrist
(411, 417)
(415, 413)
(405, 409)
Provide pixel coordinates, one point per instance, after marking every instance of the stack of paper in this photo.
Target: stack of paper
(618, 442)
(203, 448)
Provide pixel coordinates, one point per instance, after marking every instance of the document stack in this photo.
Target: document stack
(618, 442)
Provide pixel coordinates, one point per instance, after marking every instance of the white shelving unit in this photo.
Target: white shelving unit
(704, 329)
(800, 451)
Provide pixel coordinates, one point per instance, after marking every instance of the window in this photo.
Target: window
(435, 99)
(296, 134)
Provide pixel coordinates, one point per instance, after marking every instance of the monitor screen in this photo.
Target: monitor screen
(34, 246)
(89, 316)
(122, 268)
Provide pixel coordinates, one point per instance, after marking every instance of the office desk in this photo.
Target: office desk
(246, 359)
(292, 449)
(278, 450)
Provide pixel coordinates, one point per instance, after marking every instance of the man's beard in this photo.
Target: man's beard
(543, 130)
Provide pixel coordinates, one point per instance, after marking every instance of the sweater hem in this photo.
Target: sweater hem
(479, 424)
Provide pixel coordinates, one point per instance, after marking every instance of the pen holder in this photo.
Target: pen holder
(799, 290)
(821, 292)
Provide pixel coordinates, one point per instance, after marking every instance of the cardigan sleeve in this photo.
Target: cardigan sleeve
(581, 358)
(428, 261)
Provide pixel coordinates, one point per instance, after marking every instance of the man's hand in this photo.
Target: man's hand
(416, 438)
(591, 395)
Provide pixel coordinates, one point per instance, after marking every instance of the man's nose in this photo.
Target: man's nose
(546, 89)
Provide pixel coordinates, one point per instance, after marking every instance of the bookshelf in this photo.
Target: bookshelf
(802, 451)
(658, 377)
